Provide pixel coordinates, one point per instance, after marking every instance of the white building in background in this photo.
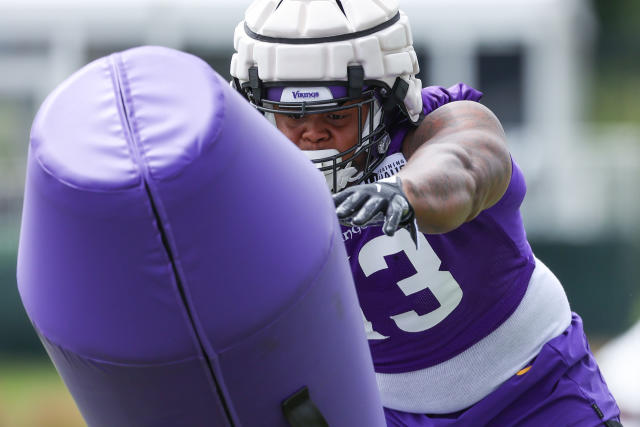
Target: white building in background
(530, 57)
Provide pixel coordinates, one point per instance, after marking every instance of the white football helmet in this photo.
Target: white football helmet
(313, 56)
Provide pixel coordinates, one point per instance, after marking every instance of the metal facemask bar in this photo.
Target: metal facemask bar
(374, 141)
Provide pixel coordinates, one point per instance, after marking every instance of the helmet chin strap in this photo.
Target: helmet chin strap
(343, 176)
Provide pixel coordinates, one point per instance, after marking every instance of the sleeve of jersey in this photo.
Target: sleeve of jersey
(514, 195)
(436, 96)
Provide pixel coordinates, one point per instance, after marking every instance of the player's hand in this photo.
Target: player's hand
(382, 202)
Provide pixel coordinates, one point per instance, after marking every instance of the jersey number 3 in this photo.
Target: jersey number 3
(428, 275)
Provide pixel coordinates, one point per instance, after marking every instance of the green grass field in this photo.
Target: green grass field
(33, 395)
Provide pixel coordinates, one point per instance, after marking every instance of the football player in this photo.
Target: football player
(466, 326)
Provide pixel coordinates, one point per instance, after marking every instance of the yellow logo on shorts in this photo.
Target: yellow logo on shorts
(523, 370)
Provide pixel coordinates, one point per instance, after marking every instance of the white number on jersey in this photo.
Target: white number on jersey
(426, 263)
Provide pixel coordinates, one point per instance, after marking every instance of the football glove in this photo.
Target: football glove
(382, 202)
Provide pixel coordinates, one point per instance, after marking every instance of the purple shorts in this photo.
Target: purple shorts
(563, 387)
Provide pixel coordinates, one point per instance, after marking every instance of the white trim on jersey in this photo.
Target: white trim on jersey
(465, 379)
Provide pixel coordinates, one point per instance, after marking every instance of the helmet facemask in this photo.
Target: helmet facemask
(355, 164)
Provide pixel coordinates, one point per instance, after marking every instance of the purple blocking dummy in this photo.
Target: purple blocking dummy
(181, 260)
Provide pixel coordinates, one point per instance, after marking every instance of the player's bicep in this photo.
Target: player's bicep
(458, 116)
(472, 134)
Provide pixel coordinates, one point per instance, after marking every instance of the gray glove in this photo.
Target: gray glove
(382, 202)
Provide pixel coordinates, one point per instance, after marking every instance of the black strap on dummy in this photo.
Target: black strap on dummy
(608, 423)
(300, 411)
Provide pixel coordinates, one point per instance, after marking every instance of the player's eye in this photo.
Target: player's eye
(336, 116)
(294, 116)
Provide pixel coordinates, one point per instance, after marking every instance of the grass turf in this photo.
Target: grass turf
(32, 394)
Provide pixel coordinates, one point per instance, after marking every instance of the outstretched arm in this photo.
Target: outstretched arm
(457, 166)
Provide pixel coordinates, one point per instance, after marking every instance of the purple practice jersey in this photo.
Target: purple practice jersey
(459, 318)
(424, 306)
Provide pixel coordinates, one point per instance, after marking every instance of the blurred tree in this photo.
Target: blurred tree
(617, 70)
(619, 27)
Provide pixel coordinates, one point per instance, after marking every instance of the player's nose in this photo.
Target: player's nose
(315, 131)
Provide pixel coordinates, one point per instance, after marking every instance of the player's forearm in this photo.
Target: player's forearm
(460, 168)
